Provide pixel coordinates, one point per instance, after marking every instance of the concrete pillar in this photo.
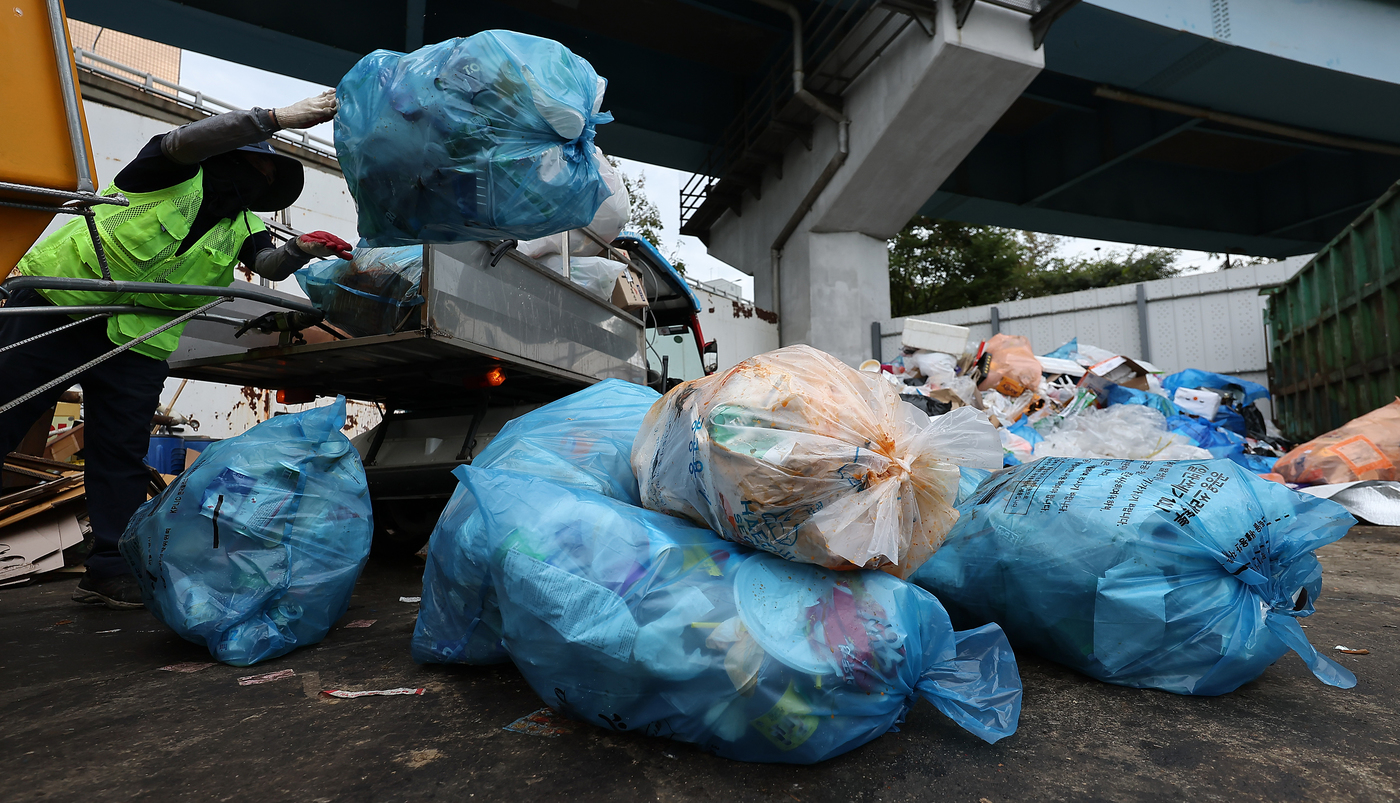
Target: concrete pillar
(831, 282)
(914, 115)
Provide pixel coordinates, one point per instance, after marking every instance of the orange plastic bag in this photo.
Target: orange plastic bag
(1014, 369)
(1365, 448)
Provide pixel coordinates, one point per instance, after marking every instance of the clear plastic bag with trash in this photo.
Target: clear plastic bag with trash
(1013, 370)
(637, 621)
(254, 550)
(487, 137)
(798, 454)
(1124, 431)
(1188, 576)
(584, 441)
(376, 293)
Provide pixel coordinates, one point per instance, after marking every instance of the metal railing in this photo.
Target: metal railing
(194, 99)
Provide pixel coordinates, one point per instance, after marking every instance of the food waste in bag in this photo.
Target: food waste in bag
(796, 453)
(482, 138)
(580, 441)
(255, 549)
(1187, 576)
(637, 621)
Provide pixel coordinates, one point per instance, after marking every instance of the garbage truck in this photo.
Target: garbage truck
(497, 334)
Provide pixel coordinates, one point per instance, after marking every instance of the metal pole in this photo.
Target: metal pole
(1144, 345)
(996, 321)
(875, 341)
(68, 377)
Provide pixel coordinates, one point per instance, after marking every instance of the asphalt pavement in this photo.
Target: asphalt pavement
(87, 714)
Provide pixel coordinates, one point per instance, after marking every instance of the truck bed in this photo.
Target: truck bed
(551, 337)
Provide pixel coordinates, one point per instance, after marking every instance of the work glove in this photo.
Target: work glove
(324, 244)
(307, 113)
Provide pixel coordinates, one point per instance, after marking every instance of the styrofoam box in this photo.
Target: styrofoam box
(931, 336)
(1198, 401)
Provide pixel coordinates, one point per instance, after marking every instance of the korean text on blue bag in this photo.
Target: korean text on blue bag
(1188, 576)
(255, 549)
(480, 138)
(635, 620)
(581, 441)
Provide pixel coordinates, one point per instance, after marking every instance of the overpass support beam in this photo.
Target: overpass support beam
(814, 238)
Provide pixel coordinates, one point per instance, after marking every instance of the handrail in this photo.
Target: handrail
(151, 288)
(185, 96)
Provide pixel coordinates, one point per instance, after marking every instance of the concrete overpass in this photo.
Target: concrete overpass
(1226, 125)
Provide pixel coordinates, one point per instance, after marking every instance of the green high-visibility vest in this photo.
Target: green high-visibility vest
(140, 241)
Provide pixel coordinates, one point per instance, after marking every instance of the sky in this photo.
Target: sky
(246, 86)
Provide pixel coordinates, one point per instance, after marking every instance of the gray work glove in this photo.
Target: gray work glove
(307, 113)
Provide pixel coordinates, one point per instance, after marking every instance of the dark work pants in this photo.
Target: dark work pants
(119, 397)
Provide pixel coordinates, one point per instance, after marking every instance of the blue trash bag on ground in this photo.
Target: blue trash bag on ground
(255, 549)
(376, 293)
(487, 137)
(1186, 576)
(635, 620)
(1249, 392)
(968, 480)
(1220, 443)
(581, 441)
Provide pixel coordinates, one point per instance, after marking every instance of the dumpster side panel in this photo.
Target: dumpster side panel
(1335, 327)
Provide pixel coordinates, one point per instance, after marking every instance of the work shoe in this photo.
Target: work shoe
(121, 593)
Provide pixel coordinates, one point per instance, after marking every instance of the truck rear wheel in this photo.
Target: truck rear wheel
(402, 526)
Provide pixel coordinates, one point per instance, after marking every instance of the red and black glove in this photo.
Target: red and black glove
(324, 244)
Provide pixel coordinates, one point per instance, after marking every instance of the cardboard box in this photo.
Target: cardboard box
(628, 293)
(931, 336)
(36, 545)
(1117, 371)
(1198, 401)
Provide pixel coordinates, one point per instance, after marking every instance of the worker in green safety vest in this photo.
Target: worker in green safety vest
(192, 192)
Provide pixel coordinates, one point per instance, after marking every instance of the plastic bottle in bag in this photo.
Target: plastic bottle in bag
(795, 453)
(637, 621)
(255, 549)
(480, 138)
(1187, 576)
(580, 441)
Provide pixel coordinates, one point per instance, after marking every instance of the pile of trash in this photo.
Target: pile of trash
(650, 623)
(1082, 401)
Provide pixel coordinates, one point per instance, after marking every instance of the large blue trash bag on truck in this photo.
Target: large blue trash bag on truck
(1188, 576)
(376, 293)
(480, 138)
(255, 549)
(581, 441)
(635, 620)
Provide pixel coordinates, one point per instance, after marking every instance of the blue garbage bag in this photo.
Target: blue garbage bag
(968, 480)
(581, 441)
(635, 620)
(481, 138)
(255, 549)
(1256, 463)
(1232, 419)
(1118, 394)
(1220, 443)
(1065, 352)
(373, 294)
(1248, 392)
(1187, 576)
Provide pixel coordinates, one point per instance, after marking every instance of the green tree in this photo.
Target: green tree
(646, 217)
(940, 265)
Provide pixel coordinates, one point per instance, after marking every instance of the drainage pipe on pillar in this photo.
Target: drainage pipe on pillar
(843, 150)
